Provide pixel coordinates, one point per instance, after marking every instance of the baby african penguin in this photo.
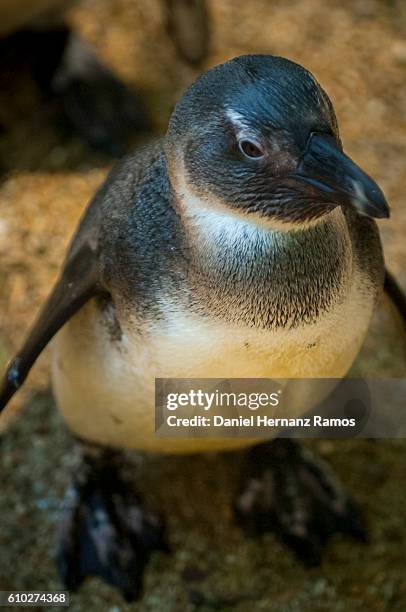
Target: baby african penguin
(246, 225)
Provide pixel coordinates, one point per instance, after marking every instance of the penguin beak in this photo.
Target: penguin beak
(334, 175)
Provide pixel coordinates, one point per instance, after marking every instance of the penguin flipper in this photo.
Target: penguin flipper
(396, 294)
(78, 282)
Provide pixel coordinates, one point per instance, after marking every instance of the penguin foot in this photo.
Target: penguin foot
(290, 492)
(105, 530)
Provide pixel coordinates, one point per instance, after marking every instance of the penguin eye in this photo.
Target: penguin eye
(251, 148)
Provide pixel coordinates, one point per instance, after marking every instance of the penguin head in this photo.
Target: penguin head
(257, 136)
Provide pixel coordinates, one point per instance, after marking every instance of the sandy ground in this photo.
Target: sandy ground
(357, 50)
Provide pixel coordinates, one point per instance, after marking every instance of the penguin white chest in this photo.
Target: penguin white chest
(105, 388)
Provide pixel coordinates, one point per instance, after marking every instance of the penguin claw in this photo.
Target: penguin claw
(295, 495)
(105, 532)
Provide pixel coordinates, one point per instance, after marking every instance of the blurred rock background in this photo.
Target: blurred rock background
(357, 50)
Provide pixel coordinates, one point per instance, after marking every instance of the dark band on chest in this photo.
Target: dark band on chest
(281, 282)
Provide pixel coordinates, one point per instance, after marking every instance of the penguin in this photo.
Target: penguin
(92, 102)
(241, 244)
(87, 98)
